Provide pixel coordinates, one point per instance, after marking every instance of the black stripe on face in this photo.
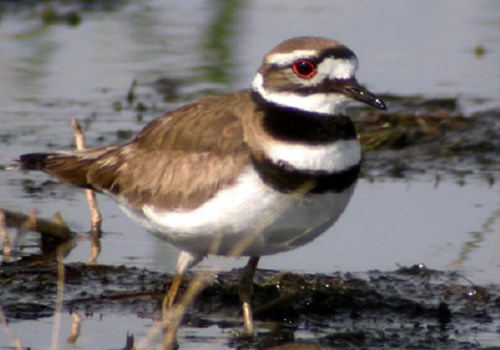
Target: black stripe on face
(341, 52)
(327, 86)
(284, 178)
(294, 125)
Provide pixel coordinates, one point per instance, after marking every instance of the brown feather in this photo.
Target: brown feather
(176, 162)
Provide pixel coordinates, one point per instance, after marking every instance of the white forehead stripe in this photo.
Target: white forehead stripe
(284, 59)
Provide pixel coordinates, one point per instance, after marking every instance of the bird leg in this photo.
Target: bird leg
(171, 295)
(170, 323)
(170, 335)
(245, 290)
(184, 262)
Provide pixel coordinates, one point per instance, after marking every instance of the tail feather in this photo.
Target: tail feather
(76, 168)
(33, 161)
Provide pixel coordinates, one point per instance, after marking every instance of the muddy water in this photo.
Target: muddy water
(53, 72)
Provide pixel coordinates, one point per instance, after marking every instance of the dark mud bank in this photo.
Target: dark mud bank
(409, 308)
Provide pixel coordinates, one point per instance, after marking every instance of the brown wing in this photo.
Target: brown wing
(176, 162)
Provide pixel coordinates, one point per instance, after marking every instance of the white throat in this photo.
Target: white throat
(324, 103)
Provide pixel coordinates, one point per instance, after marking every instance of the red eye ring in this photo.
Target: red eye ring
(304, 69)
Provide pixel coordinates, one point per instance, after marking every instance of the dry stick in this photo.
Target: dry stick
(61, 252)
(7, 250)
(75, 329)
(202, 279)
(95, 213)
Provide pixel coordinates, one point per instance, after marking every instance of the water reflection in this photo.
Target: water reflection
(488, 231)
(219, 41)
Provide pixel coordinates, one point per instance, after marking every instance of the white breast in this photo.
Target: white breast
(333, 157)
(248, 206)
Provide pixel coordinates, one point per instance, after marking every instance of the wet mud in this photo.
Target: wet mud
(412, 307)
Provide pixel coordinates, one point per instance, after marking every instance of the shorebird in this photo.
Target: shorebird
(208, 175)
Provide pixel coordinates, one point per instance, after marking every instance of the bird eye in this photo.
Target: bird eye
(304, 69)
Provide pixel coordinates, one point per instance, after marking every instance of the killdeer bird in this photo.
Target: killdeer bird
(277, 162)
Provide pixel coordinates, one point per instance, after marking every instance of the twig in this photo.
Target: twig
(95, 248)
(7, 250)
(75, 329)
(62, 251)
(94, 208)
(95, 213)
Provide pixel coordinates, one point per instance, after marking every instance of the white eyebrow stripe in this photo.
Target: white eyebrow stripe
(338, 68)
(284, 59)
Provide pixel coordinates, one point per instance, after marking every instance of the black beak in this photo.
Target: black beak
(355, 91)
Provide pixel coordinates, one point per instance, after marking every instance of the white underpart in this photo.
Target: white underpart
(333, 157)
(281, 221)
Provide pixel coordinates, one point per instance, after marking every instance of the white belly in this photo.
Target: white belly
(279, 221)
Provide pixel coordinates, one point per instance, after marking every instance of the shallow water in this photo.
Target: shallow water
(50, 74)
